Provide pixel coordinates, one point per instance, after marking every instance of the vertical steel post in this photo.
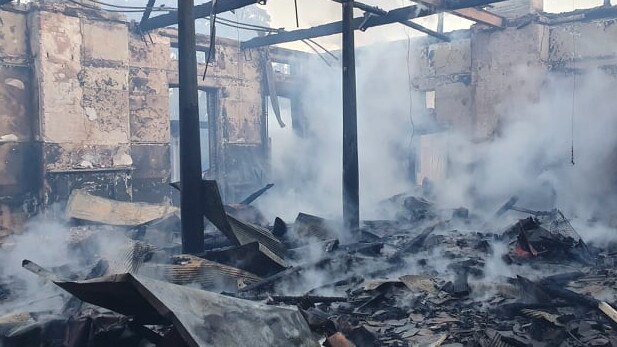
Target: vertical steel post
(351, 196)
(190, 153)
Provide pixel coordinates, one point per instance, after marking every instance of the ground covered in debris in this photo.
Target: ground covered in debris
(428, 277)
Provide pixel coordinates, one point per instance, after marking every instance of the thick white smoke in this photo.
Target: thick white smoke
(529, 155)
(307, 170)
(532, 154)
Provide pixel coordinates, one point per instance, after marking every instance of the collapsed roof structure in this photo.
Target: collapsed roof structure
(89, 126)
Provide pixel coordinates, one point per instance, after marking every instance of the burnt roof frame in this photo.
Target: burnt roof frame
(199, 11)
(371, 11)
(401, 14)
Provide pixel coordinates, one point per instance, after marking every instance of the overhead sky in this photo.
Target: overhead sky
(315, 12)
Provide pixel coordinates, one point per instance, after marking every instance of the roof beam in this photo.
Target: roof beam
(199, 11)
(481, 16)
(474, 14)
(394, 16)
(381, 12)
(146, 15)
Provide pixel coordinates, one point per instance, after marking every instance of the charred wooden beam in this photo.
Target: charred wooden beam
(474, 14)
(381, 12)
(199, 11)
(481, 16)
(146, 14)
(394, 16)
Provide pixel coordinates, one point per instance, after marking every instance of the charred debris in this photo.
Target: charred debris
(428, 277)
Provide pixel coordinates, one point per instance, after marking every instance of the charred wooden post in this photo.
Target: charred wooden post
(351, 196)
(190, 149)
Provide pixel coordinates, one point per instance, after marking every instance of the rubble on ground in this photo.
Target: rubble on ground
(429, 277)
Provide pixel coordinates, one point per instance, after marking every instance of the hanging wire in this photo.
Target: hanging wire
(212, 37)
(306, 42)
(137, 9)
(160, 7)
(323, 48)
(245, 26)
(296, 9)
(410, 85)
(573, 99)
(574, 54)
(119, 11)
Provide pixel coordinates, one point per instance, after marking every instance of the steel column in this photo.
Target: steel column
(190, 153)
(351, 196)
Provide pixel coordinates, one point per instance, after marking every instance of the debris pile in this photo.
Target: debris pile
(430, 277)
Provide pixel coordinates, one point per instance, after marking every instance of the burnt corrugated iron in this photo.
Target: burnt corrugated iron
(201, 318)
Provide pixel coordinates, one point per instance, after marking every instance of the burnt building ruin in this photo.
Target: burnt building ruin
(90, 103)
(90, 147)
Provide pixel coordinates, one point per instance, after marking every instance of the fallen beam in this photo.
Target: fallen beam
(199, 11)
(256, 194)
(146, 15)
(394, 16)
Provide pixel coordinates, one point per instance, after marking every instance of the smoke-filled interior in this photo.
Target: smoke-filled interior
(486, 165)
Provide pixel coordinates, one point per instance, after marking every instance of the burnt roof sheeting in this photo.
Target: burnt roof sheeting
(208, 274)
(253, 257)
(237, 231)
(215, 211)
(249, 233)
(202, 318)
(82, 205)
(309, 228)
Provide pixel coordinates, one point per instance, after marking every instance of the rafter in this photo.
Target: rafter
(199, 11)
(374, 10)
(394, 16)
(471, 13)
(147, 12)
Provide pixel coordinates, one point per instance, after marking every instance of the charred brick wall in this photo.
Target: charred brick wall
(483, 73)
(238, 148)
(84, 103)
(19, 153)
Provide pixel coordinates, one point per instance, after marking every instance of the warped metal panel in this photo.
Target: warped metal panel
(201, 318)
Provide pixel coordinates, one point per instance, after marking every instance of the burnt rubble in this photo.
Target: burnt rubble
(429, 277)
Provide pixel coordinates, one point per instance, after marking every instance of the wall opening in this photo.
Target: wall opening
(201, 53)
(280, 137)
(207, 112)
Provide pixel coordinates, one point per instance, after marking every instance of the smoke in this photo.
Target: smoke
(69, 253)
(307, 170)
(44, 242)
(531, 155)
